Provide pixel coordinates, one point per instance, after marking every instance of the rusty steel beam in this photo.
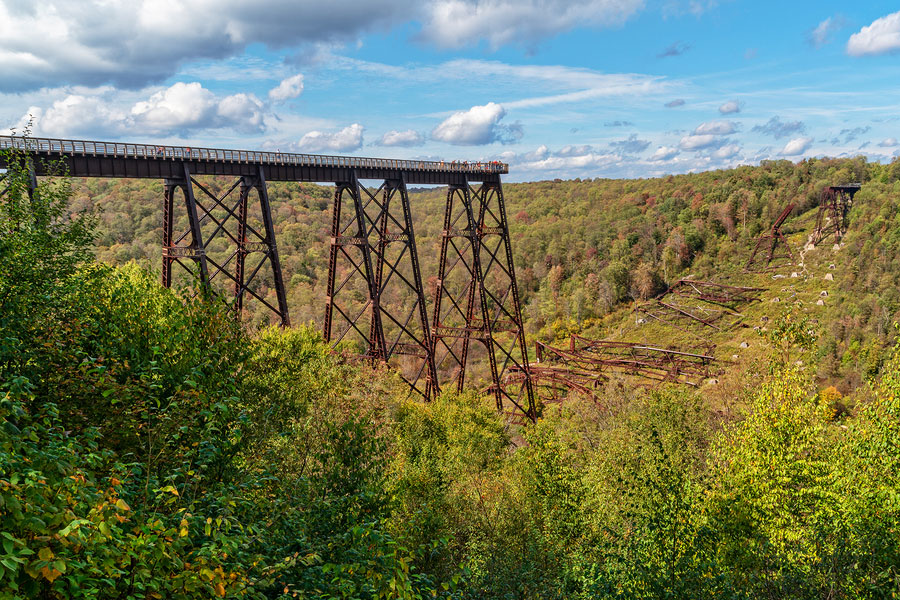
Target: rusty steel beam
(715, 293)
(586, 364)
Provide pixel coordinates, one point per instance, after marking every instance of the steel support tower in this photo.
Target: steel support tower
(834, 205)
(375, 305)
(477, 300)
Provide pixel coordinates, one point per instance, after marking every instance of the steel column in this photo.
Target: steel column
(271, 247)
(173, 251)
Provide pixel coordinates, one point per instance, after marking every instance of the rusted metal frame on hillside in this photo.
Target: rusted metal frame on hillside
(556, 382)
(557, 373)
(658, 364)
(455, 209)
(662, 364)
(715, 293)
(468, 305)
(601, 345)
(687, 314)
(773, 237)
(834, 205)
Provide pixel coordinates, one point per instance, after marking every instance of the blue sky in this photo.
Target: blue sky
(578, 88)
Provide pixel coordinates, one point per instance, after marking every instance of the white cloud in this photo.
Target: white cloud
(184, 105)
(715, 128)
(631, 145)
(699, 142)
(591, 160)
(821, 35)
(407, 138)
(540, 153)
(179, 108)
(460, 23)
(131, 44)
(732, 106)
(797, 146)
(477, 126)
(242, 112)
(557, 83)
(881, 37)
(888, 143)
(727, 151)
(289, 88)
(664, 153)
(779, 129)
(571, 150)
(76, 114)
(348, 139)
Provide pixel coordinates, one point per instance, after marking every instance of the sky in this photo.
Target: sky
(556, 88)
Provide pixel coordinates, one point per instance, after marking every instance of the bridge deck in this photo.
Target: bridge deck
(116, 159)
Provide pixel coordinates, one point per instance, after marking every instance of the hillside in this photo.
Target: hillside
(589, 251)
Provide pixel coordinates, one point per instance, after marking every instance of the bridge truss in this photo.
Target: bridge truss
(376, 306)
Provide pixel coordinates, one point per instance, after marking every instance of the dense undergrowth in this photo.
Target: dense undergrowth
(152, 448)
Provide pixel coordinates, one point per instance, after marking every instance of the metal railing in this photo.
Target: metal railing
(156, 151)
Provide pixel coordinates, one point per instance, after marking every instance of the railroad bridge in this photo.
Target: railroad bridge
(375, 305)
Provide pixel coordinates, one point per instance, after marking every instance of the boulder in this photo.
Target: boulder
(641, 321)
(775, 299)
(795, 275)
(820, 302)
(823, 293)
(829, 277)
(744, 345)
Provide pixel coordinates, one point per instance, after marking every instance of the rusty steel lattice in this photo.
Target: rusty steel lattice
(690, 319)
(833, 208)
(218, 232)
(715, 293)
(776, 241)
(477, 299)
(650, 362)
(375, 308)
(586, 364)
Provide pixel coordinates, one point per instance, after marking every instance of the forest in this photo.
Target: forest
(154, 446)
